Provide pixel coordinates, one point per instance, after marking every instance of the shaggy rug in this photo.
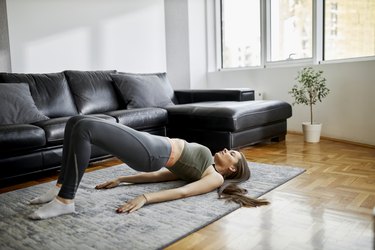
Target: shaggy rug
(98, 226)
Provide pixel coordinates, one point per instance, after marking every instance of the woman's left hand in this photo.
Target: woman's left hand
(132, 205)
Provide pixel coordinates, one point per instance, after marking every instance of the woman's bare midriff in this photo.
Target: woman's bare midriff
(177, 146)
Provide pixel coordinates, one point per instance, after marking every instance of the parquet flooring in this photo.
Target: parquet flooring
(330, 206)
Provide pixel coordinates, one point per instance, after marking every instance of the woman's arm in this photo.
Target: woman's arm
(207, 184)
(158, 176)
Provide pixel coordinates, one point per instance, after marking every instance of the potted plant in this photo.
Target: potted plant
(311, 89)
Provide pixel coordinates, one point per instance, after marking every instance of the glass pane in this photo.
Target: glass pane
(291, 29)
(240, 33)
(349, 29)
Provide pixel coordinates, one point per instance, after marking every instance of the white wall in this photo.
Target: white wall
(4, 38)
(177, 43)
(55, 35)
(186, 43)
(198, 44)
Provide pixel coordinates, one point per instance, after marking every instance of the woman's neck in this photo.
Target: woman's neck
(219, 169)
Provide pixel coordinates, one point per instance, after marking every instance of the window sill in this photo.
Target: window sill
(299, 63)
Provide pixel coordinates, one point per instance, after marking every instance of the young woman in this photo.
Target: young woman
(149, 154)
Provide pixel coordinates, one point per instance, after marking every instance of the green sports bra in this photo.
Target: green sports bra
(194, 160)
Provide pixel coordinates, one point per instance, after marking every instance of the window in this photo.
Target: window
(349, 29)
(240, 33)
(273, 32)
(290, 29)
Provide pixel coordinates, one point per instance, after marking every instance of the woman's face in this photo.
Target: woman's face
(227, 158)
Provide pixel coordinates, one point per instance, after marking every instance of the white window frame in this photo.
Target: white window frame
(219, 40)
(287, 62)
(320, 45)
(265, 29)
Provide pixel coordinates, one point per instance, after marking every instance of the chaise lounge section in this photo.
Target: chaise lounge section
(34, 109)
(229, 124)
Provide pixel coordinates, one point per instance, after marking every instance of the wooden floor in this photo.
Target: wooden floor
(330, 206)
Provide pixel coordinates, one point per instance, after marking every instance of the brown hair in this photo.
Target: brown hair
(231, 192)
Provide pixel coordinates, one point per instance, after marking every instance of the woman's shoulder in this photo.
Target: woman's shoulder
(212, 172)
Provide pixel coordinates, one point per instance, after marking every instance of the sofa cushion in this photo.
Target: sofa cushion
(228, 116)
(54, 128)
(144, 90)
(21, 136)
(142, 118)
(93, 91)
(17, 106)
(50, 92)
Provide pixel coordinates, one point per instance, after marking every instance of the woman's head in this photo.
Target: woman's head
(242, 172)
(232, 165)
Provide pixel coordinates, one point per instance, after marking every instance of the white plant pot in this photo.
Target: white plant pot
(311, 132)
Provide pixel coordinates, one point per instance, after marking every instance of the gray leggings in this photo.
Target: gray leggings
(139, 150)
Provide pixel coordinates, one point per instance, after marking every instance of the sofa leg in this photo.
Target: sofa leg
(279, 138)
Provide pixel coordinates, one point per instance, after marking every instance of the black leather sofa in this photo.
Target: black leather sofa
(34, 109)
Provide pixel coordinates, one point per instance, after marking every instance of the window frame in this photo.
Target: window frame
(219, 39)
(265, 43)
(268, 49)
(342, 60)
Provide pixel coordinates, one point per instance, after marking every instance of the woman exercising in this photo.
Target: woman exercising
(149, 154)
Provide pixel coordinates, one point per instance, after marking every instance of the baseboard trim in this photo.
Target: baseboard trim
(336, 140)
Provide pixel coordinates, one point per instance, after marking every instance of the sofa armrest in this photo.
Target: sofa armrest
(208, 95)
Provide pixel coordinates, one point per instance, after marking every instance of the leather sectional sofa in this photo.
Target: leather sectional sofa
(34, 109)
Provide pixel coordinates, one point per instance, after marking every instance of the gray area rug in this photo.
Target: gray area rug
(98, 226)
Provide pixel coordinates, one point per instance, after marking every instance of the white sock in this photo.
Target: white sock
(46, 197)
(52, 209)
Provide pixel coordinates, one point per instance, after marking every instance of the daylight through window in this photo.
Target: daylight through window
(349, 29)
(240, 33)
(291, 29)
(266, 32)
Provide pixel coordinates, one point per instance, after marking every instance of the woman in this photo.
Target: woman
(147, 153)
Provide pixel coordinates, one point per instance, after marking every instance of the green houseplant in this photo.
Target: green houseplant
(311, 89)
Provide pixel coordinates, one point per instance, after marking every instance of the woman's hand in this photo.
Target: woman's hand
(133, 205)
(109, 184)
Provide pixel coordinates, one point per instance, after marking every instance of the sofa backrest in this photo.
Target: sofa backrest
(93, 91)
(50, 92)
